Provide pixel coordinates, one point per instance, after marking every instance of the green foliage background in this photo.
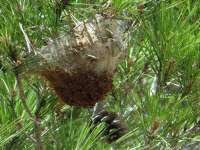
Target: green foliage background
(156, 88)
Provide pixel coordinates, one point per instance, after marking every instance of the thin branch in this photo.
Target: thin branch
(39, 145)
(22, 96)
(37, 123)
(38, 141)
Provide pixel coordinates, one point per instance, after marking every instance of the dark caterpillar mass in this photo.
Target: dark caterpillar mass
(81, 89)
(115, 126)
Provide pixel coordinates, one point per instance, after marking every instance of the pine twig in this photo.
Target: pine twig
(35, 119)
(22, 96)
(39, 145)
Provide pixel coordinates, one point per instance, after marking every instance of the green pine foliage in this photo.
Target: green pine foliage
(156, 87)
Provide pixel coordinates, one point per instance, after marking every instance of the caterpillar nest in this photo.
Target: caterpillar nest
(80, 66)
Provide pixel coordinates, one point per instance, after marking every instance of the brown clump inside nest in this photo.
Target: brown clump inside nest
(80, 89)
